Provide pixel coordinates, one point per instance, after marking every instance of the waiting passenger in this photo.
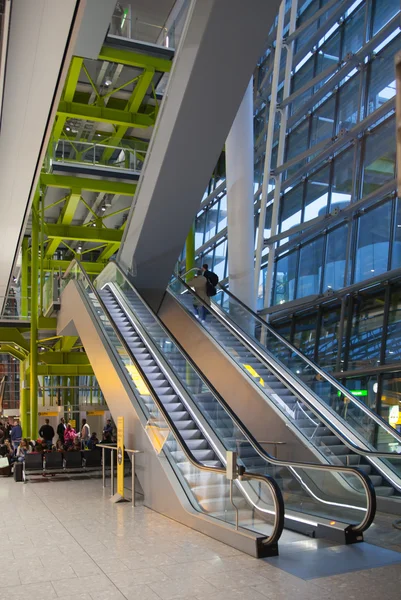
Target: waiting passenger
(85, 434)
(61, 427)
(199, 284)
(22, 450)
(47, 433)
(69, 436)
(107, 431)
(93, 442)
(16, 435)
(59, 446)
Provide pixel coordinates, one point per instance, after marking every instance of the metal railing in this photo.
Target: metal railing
(366, 483)
(278, 501)
(132, 454)
(87, 153)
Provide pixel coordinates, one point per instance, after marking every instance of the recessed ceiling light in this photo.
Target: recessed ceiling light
(68, 128)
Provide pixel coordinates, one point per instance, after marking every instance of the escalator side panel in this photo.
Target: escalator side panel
(244, 398)
(162, 491)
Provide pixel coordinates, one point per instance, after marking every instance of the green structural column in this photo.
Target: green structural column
(190, 251)
(24, 402)
(24, 278)
(33, 357)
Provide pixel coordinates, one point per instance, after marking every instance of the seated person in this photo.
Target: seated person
(22, 450)
(59, 446)
(93, 441)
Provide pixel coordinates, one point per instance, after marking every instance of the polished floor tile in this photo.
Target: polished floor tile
(66, 540)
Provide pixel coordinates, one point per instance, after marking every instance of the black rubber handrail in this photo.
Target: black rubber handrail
(351, 445)
(366, 482)
(269, 481)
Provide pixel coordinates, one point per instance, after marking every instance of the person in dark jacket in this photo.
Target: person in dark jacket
(46, 432)
(16, 435)
(61, 427)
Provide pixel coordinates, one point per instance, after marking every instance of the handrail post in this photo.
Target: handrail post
(112, 471)
(133, 478)
(103, 468)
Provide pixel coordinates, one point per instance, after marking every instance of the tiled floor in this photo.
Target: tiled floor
(64, 539)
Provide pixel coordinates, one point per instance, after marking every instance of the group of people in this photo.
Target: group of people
(204, 283)
(14, 447)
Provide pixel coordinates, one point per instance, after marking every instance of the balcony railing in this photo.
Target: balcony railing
(96, 155)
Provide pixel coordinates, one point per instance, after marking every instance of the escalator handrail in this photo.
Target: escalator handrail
(269, 481)
(366, 482)
(379, 420)
(351, 445)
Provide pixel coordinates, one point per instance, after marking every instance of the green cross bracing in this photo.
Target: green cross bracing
(90, 185)
(97, 115)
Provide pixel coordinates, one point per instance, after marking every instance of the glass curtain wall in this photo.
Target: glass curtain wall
(340, 149)
(358, 339)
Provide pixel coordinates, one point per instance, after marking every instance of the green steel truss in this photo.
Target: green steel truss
(110, 115)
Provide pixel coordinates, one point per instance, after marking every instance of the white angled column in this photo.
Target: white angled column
(240, 208)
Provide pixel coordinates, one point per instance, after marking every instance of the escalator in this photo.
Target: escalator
(336, 426)
(321, 501)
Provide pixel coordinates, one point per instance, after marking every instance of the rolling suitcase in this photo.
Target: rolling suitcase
(18, 471)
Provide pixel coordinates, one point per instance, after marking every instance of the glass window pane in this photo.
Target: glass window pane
(393, 347)
(310, 268)
(373, 242)
(335, 259)
(297, 142)
(304, 75)
(383, 12)
(396, 253)
(366, 332)
(328, 341)
(348, 108)
(365, 388)
(291, 208)
(317, 194)
(327, 56)
(211, 222)
(305, 334)
(379, 163)
(285, 279)
(391, 398)
(323, 122)
(199, 229)
(220, 255)
(354, 31)
(382, 78)
(222, 214)
(342, 179)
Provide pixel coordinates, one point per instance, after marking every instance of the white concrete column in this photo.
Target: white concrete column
(240, 209)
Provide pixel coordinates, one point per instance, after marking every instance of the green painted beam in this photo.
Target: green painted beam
(24, 278)
(108, 252)
(63, 358)
(134, 59)
(133, 106)
(11, 335)
(62, 265)
(69, 91)
(110, 249)
(90, 185)
(65, 218)
(101, 114)
(13, 351)
(63, 370)
(46, 323)
(66, 343)
(80, 233)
